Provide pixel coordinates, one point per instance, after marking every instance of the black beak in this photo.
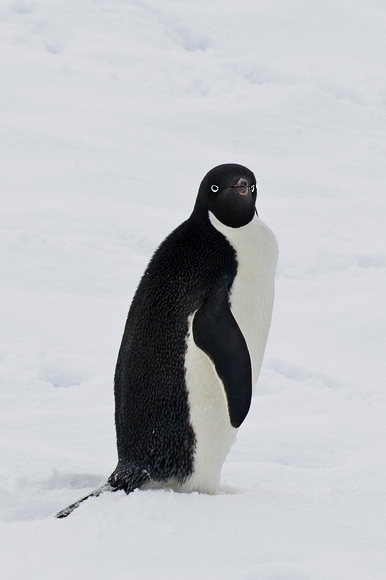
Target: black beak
(241, 186)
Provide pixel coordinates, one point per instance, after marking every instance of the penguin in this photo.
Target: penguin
(194, 341)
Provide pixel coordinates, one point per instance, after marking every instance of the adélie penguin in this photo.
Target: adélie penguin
(194, 341)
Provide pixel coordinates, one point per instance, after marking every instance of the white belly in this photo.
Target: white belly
(251, 304)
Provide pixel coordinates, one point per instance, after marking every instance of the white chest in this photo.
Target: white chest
(251, 304)
(254, 286)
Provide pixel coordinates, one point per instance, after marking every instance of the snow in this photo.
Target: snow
(111, 113)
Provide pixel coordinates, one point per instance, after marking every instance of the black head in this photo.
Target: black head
(229, 192)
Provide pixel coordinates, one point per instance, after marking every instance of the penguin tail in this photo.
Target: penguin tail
(126, 478)
(97, 492)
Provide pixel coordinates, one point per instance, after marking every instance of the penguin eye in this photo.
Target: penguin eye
(214, 188)
(252, 188)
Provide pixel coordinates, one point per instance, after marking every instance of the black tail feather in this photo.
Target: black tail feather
(123, 477)
(68, 510)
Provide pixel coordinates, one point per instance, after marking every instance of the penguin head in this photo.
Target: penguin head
(229, 192)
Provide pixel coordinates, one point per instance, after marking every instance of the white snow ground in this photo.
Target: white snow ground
(111, 113)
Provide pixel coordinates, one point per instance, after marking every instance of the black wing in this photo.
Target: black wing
(217, 334)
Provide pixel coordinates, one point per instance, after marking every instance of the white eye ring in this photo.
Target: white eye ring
(252, 188)
(214, 188)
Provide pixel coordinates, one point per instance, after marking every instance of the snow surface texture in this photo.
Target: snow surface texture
(111, 113)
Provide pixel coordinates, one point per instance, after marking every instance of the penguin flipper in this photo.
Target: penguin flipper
(217, 334)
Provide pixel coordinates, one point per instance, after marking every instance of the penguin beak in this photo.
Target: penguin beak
(241, 186)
